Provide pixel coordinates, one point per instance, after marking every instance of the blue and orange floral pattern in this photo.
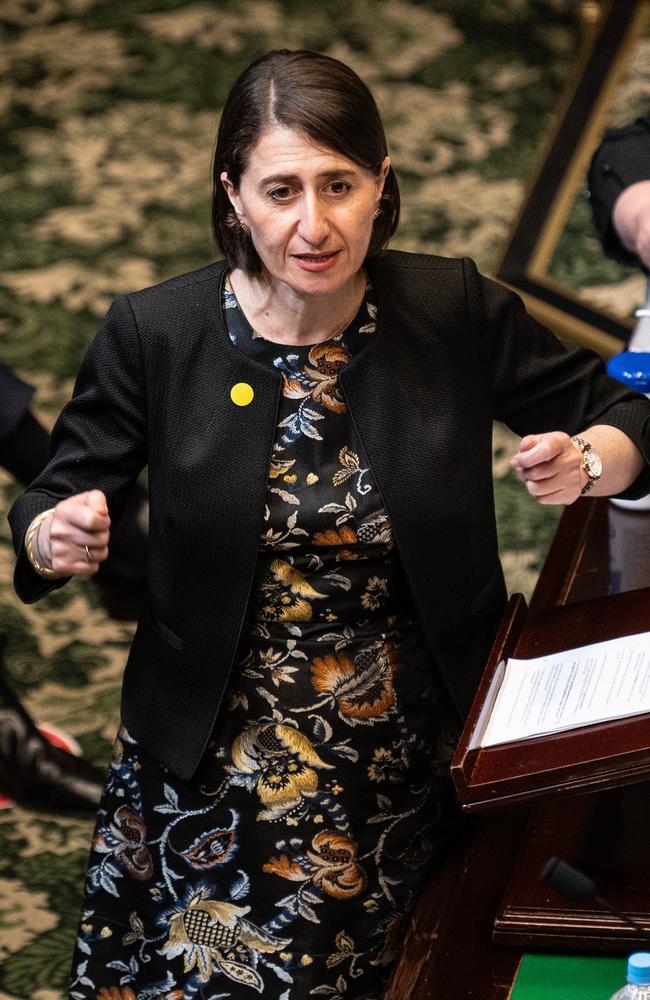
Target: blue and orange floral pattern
(287, 864)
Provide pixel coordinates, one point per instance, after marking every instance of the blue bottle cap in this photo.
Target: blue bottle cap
(638, 968)
(632, 368)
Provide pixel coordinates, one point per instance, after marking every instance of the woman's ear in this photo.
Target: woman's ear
(232, 193)
(382, 175)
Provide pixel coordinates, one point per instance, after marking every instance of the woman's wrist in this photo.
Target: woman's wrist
(32, 547)
(622, 462)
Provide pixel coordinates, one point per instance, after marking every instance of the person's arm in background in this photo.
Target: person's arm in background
(32, 771)
(619, 190)
(23, 440)
(631, 220)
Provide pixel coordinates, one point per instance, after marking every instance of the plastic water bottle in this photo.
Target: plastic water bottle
(638, 978)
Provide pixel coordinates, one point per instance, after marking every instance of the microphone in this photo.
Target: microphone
(575, 885)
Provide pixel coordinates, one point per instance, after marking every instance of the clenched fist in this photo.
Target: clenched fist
(74, 539)
(550, 466)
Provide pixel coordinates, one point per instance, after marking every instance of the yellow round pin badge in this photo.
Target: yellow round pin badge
(242, 394)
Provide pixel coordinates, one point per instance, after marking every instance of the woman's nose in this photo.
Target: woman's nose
(313, 225)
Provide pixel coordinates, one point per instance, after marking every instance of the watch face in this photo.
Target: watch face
(593, 464)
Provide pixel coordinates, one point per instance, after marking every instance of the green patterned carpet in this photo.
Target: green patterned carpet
(109, 110)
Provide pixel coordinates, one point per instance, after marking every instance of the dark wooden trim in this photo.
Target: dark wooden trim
(547, 299)
(567, 140)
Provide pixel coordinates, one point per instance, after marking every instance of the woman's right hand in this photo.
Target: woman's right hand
(74, 539)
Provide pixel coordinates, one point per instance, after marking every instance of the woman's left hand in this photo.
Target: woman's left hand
(550, 466)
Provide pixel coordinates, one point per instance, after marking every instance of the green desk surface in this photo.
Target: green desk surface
(555, 977)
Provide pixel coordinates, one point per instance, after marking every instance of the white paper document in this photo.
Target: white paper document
(577, 687)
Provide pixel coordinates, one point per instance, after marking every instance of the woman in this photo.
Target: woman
(324, 580)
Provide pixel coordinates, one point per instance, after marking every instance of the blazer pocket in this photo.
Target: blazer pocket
(155, 642)
(486, 591)
(174, 640)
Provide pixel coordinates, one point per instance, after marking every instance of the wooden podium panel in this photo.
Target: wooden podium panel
(598, 549)
(604, 835)
(448, 951)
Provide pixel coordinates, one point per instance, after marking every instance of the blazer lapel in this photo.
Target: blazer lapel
(403, 395)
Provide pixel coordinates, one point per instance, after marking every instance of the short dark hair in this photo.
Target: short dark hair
(313, 94)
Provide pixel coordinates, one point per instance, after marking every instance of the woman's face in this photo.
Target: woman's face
(309, 210)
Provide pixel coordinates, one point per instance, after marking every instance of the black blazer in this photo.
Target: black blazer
(452, 352)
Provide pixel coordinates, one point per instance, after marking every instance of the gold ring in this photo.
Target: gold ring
(89, 558)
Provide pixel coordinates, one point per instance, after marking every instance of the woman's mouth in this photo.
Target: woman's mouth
(316, 261)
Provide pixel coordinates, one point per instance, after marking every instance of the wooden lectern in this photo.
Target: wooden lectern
(606, 755)
(582, 794)
(591, 831)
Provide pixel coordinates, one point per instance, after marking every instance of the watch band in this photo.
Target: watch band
(591, 464)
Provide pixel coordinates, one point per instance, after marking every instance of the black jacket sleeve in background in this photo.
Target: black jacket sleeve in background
(623, 158)
(15, 397)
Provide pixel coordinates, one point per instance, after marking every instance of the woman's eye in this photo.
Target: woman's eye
(280, 193)
(339, 187)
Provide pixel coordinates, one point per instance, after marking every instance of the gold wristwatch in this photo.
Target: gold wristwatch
(591, 464)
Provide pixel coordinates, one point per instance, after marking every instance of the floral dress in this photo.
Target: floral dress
(288, 862)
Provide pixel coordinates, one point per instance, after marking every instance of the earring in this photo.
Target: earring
(376, 213)
(243, 228)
